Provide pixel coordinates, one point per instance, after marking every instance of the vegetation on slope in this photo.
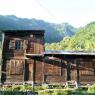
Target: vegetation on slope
(83, 40)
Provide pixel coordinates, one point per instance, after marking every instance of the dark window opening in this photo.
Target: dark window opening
(18, 45)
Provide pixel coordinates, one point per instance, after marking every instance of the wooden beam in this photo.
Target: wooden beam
(93, 68)
(33, 73)
(68, 72)
(24, 70)
(44, 70)
(61, 68)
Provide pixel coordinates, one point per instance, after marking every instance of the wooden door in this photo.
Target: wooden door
(29, 70)
(71, 71)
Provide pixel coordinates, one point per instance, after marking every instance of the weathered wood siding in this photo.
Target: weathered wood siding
(81, 70)
(13, 62)
(13, 71)
(35, 45)
(55, 71)
(86, 70)
(16, 67)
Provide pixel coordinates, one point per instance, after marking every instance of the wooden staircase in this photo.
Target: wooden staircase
(71, 84)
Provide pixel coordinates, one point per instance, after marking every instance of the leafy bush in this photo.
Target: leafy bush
(18, 88)
(37, 88)
(28, 88)
(56, 92)
(6, 88)
(91, 89)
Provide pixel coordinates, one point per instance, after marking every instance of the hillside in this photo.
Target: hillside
(83, 40)
(53, 32)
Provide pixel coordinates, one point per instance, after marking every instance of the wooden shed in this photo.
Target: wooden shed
(62, 66)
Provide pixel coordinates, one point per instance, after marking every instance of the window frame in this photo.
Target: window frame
(17, 44)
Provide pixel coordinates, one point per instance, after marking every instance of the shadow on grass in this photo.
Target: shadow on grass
(18, 93)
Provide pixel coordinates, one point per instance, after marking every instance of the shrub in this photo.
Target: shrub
(6, 88)
(18, 88)
(91, 89)
(28, 88)
(36, 88)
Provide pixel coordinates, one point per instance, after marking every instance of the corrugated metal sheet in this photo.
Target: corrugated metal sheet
(62, 52)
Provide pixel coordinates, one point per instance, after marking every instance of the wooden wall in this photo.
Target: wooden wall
(86, 70)
(81, 70)
(35, 45)
(13, 70)
(55, 71)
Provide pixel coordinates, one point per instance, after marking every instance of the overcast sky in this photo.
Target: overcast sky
(76, 12)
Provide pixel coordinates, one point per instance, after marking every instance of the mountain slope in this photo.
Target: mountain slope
(53, 32)
(83, 40)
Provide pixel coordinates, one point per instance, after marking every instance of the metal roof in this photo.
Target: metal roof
(14, 32)
(62, 52)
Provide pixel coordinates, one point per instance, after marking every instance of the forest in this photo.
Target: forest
(83, 40)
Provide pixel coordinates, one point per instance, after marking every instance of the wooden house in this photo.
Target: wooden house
(24, 60)
(16, 44)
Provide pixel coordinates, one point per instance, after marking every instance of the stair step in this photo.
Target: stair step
(71, 84)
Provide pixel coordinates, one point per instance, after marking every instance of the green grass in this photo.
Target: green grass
(44, 90)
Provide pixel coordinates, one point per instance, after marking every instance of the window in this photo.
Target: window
(17, 45)
(11, 44)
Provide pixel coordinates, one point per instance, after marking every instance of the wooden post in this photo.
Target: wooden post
(43, 75)
(44, 69)
(61, 73)
(24, 67)
(24, 71)
(2, 58)
(33, 74)
(68, 72)
(77, 66)
(94, 69)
